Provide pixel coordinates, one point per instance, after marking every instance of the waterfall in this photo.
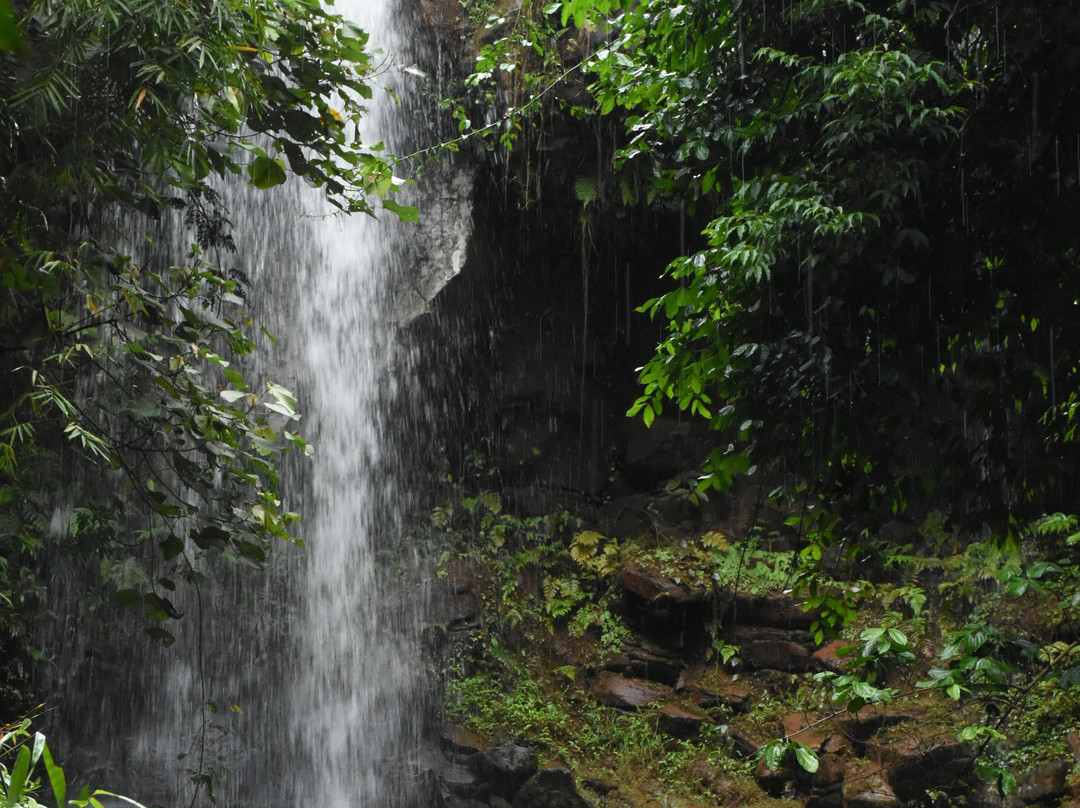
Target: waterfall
(302, 683)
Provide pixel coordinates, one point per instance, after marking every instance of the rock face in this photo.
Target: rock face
(436, 258)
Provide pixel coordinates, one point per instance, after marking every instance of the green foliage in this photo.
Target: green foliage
(9, 32)
(774, 752)
(18, 785)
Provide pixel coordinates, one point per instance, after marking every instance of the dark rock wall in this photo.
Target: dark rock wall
(551, 289)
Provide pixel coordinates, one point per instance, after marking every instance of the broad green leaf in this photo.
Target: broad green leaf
(265, 172)
(234, 376)
(773, 753)
(56, 776)
(405, 213)
(19, 775)
(806, 757)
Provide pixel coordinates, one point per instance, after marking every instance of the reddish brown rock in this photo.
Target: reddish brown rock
(804, 728)
(836, 745)
(774, 782)
(860, 727)
(678, 722)
(650, 663)
(617, 691)
(830, 773)
(869, 790)
(828, 656)
(652, 586)
(734, 696)
(1073, 739)
(746, 738)
(1042, 785)
(460, 741)
(777, 610)
(776, 654)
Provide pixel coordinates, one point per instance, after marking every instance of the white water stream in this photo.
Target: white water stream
(312, 667)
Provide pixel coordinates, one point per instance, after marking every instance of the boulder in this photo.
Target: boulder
(678, 722)
(776, 610)
(918, 767)
(836, 745)
(454, 801)
(655, 587)
(459, 781)
(623, 693)
(647, 663)
(869, 790)
(550, 788)
(774, 782)
(505, 768)
(773, 648)
(456, 740)
(828, 657)
(746, 738)
(723, 692)
(782, 655)
(803, 727)
(1042, 785)
(872, 719)
(830, 774)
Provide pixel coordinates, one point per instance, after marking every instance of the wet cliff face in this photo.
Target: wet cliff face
(552, 286)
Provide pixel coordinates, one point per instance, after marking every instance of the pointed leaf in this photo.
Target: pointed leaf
(406, 213)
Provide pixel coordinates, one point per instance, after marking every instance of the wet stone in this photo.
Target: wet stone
(550, 788)
(617, 691)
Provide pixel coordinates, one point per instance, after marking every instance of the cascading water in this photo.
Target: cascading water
(302, 684)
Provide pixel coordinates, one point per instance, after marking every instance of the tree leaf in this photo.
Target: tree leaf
(56, 776)
(806, 757)
(265, 172)
(19, 775)
(405, 213)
